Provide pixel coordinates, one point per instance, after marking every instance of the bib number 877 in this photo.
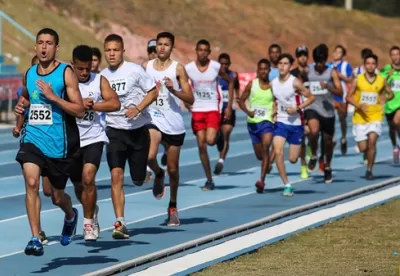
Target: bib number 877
(40, 115)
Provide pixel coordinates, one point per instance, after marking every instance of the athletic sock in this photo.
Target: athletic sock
(87, 221)
(70, 220)
(172, 205)
(148, 169)
(122, 220)
(221, 161)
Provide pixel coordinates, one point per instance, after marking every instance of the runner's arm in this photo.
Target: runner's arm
(337, 87)
(302, 90)
(244, 97)
(230, 81)
(111, 101)
(186, 94)
(74, 106)
(389, 92)
(147, 84)
(350, 94)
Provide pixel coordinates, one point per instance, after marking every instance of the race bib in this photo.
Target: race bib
(88, 118)
(119, 85)
(40, 114)
(162, 101)
(396, 85)
(369, 98)
(260, 112)
(204, 95)
(316, 88)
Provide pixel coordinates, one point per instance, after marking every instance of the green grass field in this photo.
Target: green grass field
(362, 244)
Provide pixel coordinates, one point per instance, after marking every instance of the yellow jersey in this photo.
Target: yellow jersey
(369, 93)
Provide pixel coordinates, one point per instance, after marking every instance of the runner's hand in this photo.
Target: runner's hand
(363, 108)
(324, 85)
(251, 114)
(19, 107)
(16, 132)
(131, 112)
(46, 90)
(169, 84)
(88, 103)
(228, 113)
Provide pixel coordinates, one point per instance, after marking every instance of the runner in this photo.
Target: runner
(260, 122)
(17, 130)
(367, 96)
(167, 125)
(301, 73)
(320, 115)
(391, 72)
(98, 97)
(96, 60)
(344, 71)
(151, 49)
(227, 125)
(126, 129)
(51, 136)
(274, 52)
(289, 127)
(206, 116)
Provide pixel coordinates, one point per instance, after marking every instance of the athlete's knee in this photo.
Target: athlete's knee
(117, 177)
(211, 140)
(173, 171)
(278, 151)
(396, 121)
(56, 198)
(293, 159)
(88, 180)
(32, 184)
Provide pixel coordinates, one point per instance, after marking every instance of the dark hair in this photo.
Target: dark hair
(321, 53)
(166, 35)
(365, 52)
(203, 42)
(343, 49)
(274, 46)
(375, 57)
(288, 56)
(394, 48)
(114, 37)
(264, 61)
(82, 53)
(96, 52)
(34, 60)
(224, 56)
(51, 32)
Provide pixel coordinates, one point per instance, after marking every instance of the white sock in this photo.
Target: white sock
(122, 220)
(70, 220)
(288, 185)
(148, 169)
(87, 221)
(221, 161)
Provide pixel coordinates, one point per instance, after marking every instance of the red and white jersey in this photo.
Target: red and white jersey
(205, 86)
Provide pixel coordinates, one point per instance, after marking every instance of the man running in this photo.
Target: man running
(301, 73)
(167, 125)
(289, 127)
(391, 72)
(367, 94)
(51, 136)
(324, 83)
(96, 60)
(97, 97)
(227, 125)
(206, 116)
(260, 122)
(126, 129)
(345, 72)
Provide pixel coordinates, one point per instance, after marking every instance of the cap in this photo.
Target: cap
(151, 44)
(301, 50)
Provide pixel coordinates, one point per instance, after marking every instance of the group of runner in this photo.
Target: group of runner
(66, 114)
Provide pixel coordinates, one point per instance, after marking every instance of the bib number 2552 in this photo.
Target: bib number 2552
(40, 114)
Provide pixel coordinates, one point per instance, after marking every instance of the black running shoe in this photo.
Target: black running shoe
(328, 175)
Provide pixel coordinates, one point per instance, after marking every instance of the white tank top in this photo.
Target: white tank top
(165, 112)
(286, 97)
(91, 128)
(207, 96)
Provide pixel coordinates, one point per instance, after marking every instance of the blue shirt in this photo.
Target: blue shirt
(49, 128)
(274, 73)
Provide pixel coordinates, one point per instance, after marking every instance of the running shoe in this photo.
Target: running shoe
(69, 230)
(328, 175)
(158, 185)
(120, 232)
(369, 175)
(208, 186)
(43, 238)
(288, 191)
(34, 247)
(343, 146)
(88, 233)
(173, 219)
(96, 225)
(260, 186)
(304, 172)
(218, 168)
(312, 163)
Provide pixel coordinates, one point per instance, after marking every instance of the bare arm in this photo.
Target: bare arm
(389, 92)
(74, 106)
(186, 95)
(150, 97)
(337, 87)
(224, 75)
(350, 94)
(243, 98)
(302, 90)
(110, 101)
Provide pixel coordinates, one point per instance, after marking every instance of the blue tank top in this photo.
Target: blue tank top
(224, 87)
(49, 128)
